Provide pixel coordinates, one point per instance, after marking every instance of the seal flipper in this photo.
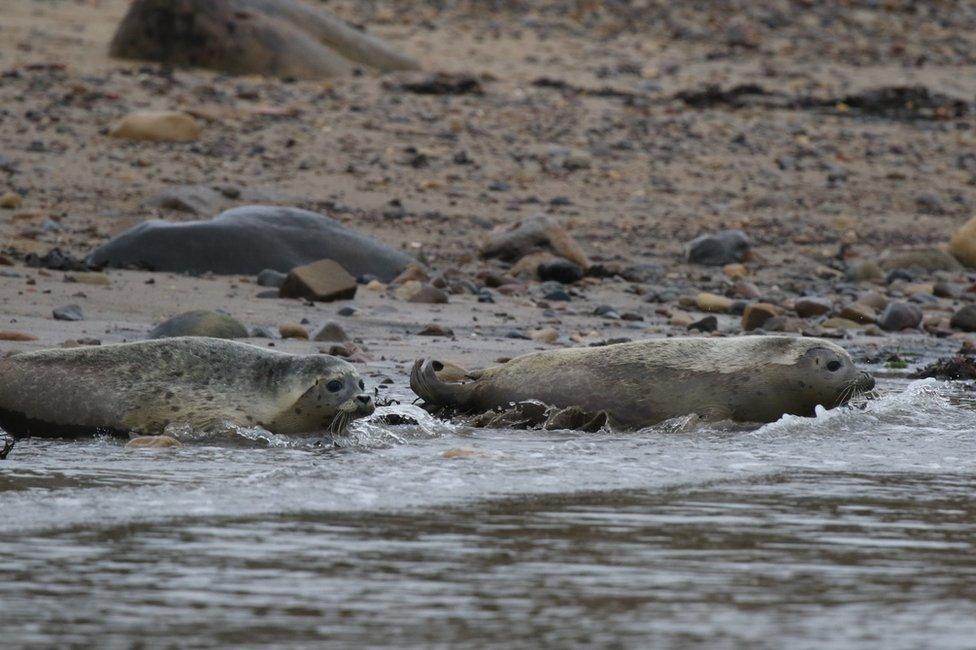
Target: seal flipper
(424, 382)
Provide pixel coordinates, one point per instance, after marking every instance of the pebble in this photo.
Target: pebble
(784, 324)
(511, 243)
(8, 335)
(707, 324)
(607, 312)
(429, 294)
(811, 307)
(346, 311)
(544, 335)
(713, 302)
(292, 331)
(899, 316)
(331, 331)
(11, 201)
(926, 259)
(560, 270)
(412, 273)
(271, 278)
(157, 126)
(719, 249)
(680, 318)
(89, 278)
(756, 314)
(873, 299)
(558, 295)
(964, 319)
(735, 271)
(433, 329)
(68, 313)
(865, 271)
(859, 313)
(836, 323)
(322, 281)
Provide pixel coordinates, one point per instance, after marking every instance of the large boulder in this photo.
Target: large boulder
(248, 240)
(275, 38)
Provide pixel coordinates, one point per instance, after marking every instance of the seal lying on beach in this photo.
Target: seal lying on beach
(746, 379)
(202, 383)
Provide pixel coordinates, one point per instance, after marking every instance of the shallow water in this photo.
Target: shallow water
(853, 529)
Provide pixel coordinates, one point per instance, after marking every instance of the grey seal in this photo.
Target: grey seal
(746, 379)
(206, 384)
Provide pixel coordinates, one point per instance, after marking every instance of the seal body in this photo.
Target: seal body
(746, 379)
(201, 383)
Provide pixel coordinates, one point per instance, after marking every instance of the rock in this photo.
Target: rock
(248, 240)
(784, 324)
(964, 319)
(429, 294)
(962, 246)
(323, 281)
(6, 445)
(745, 290)
(439, 83)
(606, 311)
(90, 278)
(859, 313)
(557, 295)
(7, 335)
(68, 313)
(961, 366)
(930, 203)
(944, 290)
(201, 322)
(757, 313)
(331, 331)
(544, 335)
(433, 329)
(273, 38)
(271, 278)
(811, 307)
(836, 323)
(925, 259)
(193, 199)
(292, 331)
(707, 324)
(713, 303)
(719, 249)
(899, 316)
(735, 271)
(873, 299)
(413, 273)
(537, 233)
(865, 271)
(346, 311)
(558, 158)
(157, 126)
(560, 270)
(408, 290)
(11, 201)
(527, 268)
(153, 442)
(680, 318)
(918, 289)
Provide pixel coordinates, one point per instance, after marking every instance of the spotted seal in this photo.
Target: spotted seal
(746, 379)
(202, 383)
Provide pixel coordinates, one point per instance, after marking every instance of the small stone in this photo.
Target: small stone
(784, 324)
(745, 290)
(899, 316)
(271, 278)
(735, 271)
(7, 335)
(201, 322)
(756, 314)
(68, 313)
(11, 201)
(836, 323)
(261, 332)
(873, 299)
(713, 302)
(346, 311)
(944, 290)
(89, 278)
(429, 294)
(680, 318)
(925, 259)
(607, 312)
(964, 319)
(292, 331)
(153, 442)
(539, 232)
(157, 126)
(811, 307)
(859, 313)
(963, 244)
(560, 270)
(375, 285)
(707, 324)
(410, 274)
(918, 288)
(331, 331)
(323, 281)
(719, 249)
(433, 329)
(558, 295)
(544, 335)
(866, 271)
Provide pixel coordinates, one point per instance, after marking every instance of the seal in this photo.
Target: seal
(204, 384)
(745, 379)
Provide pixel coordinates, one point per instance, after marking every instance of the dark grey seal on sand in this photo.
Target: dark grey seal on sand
(201, 383)
(746, 379)
(247, 240)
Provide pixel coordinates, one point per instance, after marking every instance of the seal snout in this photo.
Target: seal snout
(865, 382)
(364, 403)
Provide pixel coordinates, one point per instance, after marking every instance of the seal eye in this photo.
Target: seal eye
(362, 385)
(834, 366)
(334, 386)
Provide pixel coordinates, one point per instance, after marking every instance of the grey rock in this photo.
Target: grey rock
(899, 316)
(69, 313)
(964, 319)
(194, 199)
(720, 248)
(247, 240)
(271, 278)
(560, 270)
(331, 331)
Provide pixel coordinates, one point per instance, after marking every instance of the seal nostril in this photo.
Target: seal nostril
(364, 399)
